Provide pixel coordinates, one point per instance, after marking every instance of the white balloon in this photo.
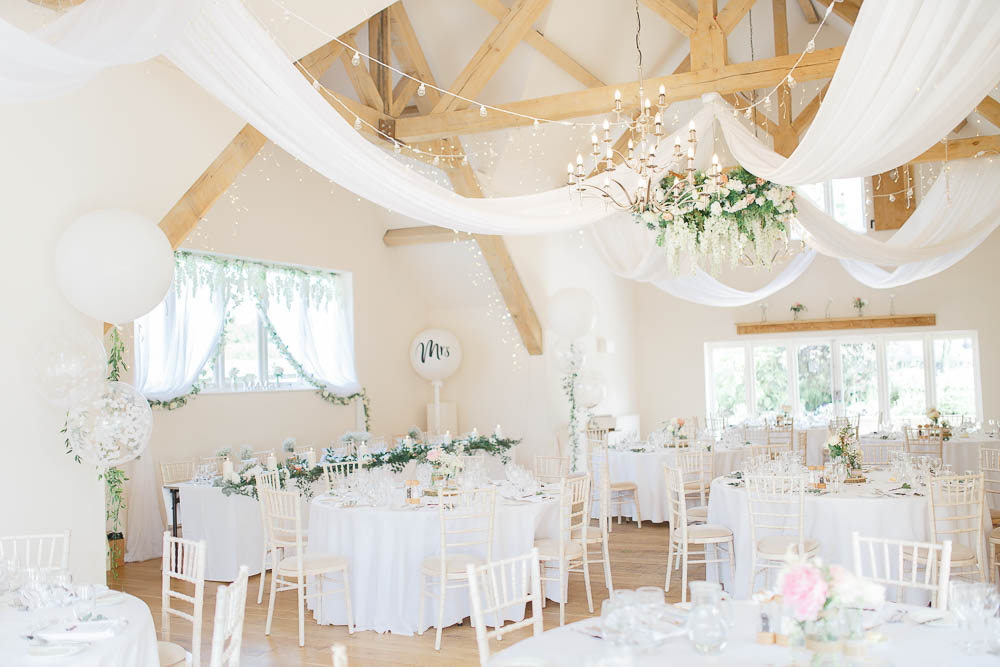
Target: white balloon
(435, 354)
(565, 356)
(591, 389)
(111, 427)
(114, 265)
(69, 362)
(572, 312)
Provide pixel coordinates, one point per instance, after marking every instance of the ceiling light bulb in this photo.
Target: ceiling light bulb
(357, 122)
(618, 96)
(316, 84)
(356, 59)
(421, 89)
(663, 89)
(579, 159)
(811, 46)
(482, 110)
(396, 147)
(606, 125)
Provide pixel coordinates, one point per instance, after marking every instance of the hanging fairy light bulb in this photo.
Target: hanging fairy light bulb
(482, 111)
(791, 81)
(316, 84)
(811, 46)
(396, 147)
(421, 89)
(356, 59)
(357, 122)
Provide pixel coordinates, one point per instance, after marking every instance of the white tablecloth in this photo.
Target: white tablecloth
(134, 646)
(646, 470)
(960, 452)
(231, 527)
(907, 644)
(386, 547)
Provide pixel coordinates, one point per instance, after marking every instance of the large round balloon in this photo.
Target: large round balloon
(111, 427)
(68, 362)
(435, 354)
(114, 265)
(590, 389)
(568, 355)
(572, 312)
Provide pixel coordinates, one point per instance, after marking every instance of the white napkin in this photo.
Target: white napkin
(82, 631)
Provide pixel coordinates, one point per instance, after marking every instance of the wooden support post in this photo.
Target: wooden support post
(892, 214)
(708, 42)
(785, 138)
(379, 49)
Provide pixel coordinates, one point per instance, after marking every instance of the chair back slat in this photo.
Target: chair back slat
(776, 504)
(957, 511)
(877, 453)
(183, 560)
(335, 472)
(227, 630)
(501, 585)
(551, 468)
(172, 472)
(676, 503)
(925, 440)
(466, 520)
(697, 471)
(282, 512)
(214, 461)
(43, 550)
(924, 566)
(989, 466)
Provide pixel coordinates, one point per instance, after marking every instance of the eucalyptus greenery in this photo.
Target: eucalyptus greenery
(569, 383)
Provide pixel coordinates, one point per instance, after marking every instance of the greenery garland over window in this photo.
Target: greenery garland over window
(397, 459)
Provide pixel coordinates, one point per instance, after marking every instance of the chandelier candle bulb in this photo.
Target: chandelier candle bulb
(692, 134)
(607, 131)
(618, 101)
(658, 123)
(421, 89)
(569, 173)
(663, 96)
(631, 146)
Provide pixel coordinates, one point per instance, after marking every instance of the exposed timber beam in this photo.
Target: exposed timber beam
(989, 109)
(492, 53)
(540, 43)
(677, 13)
(733, 78)
(404, 91)
(808, 112)
(379, 49)
(708, 41)
(808, 11)
(958, 149)
(360, 77)
(892, 213)
(785, 137)
(421, 235)
(733, 13)
(847, 9)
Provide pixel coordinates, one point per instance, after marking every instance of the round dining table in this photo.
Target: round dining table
(385, 549)
(961, 450)
(644, 467)
(872, 509)
(134, 645)
(907, 642)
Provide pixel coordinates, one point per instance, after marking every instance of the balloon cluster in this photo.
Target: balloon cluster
(107, 423)
(572, 314)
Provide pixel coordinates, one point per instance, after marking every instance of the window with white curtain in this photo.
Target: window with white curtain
(843, 199)
(232, 324)
(896, 377)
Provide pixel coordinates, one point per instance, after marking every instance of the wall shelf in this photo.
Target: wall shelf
(827, 324)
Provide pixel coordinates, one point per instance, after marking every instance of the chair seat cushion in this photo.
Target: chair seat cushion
(694, 486)
(170, 654)
(995, 516)
(548, 549)
(312, 563)
(454, 564)
(778, 545)
(699, 513)
(995, 533)
(623, 486)
(960, 554)
(708, 531)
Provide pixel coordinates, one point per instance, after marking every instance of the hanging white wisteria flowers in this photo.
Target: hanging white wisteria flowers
(715, 217)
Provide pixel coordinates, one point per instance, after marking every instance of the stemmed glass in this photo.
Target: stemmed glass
(974, 605)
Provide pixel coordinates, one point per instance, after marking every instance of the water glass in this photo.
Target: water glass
(85, 604)
(710, 619)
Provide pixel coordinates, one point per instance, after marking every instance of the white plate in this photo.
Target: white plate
(930, 617)
(55, 650)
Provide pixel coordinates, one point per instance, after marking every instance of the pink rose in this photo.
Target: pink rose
(760, 181)
(680, 422)
(804, 590)
(750, 199)
(434, 455)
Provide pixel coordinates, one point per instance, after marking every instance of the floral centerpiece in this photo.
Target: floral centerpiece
(728, 217)
(288, 445)
(859, 304)
(816, 596)
(796, 309)
(842, 445)
(246, 452)
(446, 464)
(935, 416)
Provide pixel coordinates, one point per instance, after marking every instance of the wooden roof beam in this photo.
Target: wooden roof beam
(732, 78)
(785, 138)
(708, 41)
(808, 11)
(379, 49)
(847, 9)
(733, 13)
(958, 149)
(989, 109)
(492, 53)
(538, 41)
(677, 13)
(361, 78)
(808, 112)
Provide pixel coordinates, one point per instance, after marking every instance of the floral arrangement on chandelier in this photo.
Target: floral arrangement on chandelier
(717, 217)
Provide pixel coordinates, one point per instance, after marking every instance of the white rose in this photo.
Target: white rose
(701, 204)
(649, 217)
(716, 209)
(736, 185)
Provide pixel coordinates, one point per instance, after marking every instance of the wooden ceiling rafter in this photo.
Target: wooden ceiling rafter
(808, 11)
(785, 137)
(361, 79)
(677, 13)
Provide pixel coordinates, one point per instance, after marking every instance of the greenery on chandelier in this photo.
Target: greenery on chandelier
(740, 217)
(295, 468)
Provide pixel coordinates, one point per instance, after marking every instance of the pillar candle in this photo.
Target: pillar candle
(272, 462)
(227, 469)
(498, 433)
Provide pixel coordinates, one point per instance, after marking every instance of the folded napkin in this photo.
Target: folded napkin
(81, 631)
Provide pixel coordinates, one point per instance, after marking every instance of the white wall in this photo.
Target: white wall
(672, 332)
(123, 142)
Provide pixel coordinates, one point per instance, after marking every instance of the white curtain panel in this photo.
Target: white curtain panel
(169, 352)
(910, 72)
(319, 335)
(76, 46)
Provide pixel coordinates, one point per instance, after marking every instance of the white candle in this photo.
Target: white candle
(498, 433)
(310, 457)
(447, 437)
(272, 462)
(475, 432)
(227, 469)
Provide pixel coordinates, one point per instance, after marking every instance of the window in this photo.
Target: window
(843, 199)
(891, 377)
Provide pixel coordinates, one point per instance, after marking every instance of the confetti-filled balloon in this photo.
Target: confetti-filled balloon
(111, 427)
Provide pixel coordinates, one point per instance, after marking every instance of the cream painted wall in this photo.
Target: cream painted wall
(124, 142)
(672, 332)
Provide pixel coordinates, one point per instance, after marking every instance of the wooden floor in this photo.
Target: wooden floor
(638, 558)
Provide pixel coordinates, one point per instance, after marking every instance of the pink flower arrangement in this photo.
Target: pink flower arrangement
(434, 454)
(804, 589)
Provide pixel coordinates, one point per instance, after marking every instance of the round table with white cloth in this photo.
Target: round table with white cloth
(961, 450)
(645, 468)
(385, 549)
(133, 646)
(907, 643)
(829, 517)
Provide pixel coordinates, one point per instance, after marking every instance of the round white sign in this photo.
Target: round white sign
(435, 354)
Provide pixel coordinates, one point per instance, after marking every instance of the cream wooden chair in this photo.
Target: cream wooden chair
(989, 465)
(504, 584)
(551, 469)
(377, 444)
(42, 550)
(755, 435)
(262, 454)
(777, 517)
(283, 512)
(227, 631)
(332, 472)
(684, 536)
(925, 441)
(877, 454)
(466, 520)
(173, 472)
(957, 515)
(882, 561)
(214, 461)
(717, 425)
(770, 451)
(697, 468)
(782, 434)
(836, 424)
(474, 459)
(270, 480)
(183, 560)
(618, 494)
(567, 553)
